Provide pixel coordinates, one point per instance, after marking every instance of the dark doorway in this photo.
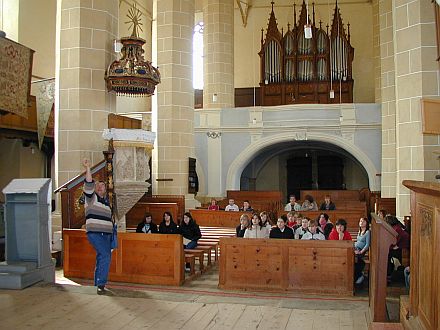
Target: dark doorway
(330, 172)
(299, 175)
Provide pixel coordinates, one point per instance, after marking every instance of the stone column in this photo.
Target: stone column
(416, 77)
(86, 32)
(388, 98)
(376, 52)
(175, 98)
(218, 44)
(130, 167)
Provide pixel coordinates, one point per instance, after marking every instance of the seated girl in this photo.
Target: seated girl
(244, 224)
(313, 233)
(256, 230)
(325, 225)
(213, 206)
(190, 231)
(147, 225)
(361, 247)
(168, 226)
(293, 219)
(309, 204)
(303, 229)
(266, 221)
(340, 232)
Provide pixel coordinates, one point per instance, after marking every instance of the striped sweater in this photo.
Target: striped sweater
(97, 210)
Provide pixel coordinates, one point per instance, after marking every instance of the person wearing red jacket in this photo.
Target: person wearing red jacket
(340, 231)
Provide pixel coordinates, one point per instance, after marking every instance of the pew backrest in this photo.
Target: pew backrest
(148, 259)
(313, 267)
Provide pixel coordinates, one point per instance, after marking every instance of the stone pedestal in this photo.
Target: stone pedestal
(130, 167)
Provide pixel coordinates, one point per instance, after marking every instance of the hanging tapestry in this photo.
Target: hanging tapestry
(15, 77)
(44, 92)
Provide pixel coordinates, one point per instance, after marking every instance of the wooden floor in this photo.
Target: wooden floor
(63, 307)
(198, 304)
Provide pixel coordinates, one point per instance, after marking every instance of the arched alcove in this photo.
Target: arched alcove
(297, 165)
(337, 143)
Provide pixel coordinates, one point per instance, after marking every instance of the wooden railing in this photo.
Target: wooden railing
(312, 267)
(118, 121)
(382, 237)
(336, 195)
(146, 259)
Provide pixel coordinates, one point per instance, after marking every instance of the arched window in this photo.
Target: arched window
(198, 56)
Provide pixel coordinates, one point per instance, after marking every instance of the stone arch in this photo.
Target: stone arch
(238, 165)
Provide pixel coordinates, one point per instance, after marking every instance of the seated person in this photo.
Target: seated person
(231, 206)
(325, 225)
(190, 231)
(340, 232)
(309, 204)
(382, 214)
(293, 219)
(266, 221)
(281, 230)
(402, 241)
(247, 207)
(314, 233)
(244, 224)
(361, 247)
(213, 206)
(168, 226)
(328, 204)
(293, 204)
(147, 226)
(304, 228)
(256, 230)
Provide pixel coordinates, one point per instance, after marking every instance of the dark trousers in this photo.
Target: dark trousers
(393, 254)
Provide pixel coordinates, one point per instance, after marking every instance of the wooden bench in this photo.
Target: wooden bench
(200, 255)
(229, 219)
(146, 259)
(213, 247)
(191, 260)
(312, 267)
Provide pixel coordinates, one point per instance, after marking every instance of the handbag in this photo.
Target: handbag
(114, 238)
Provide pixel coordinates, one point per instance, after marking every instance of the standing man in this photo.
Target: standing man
(99, 226)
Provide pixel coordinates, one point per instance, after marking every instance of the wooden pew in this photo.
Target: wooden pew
(312, 267)
(146, 259)
(336, 195)
(382, 237)
(229, 219)
(352, 217)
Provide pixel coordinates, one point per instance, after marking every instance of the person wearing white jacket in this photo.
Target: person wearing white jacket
(257, 230)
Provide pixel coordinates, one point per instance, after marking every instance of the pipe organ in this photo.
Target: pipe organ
(295, 69)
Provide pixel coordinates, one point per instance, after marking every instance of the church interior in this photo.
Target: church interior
(181, 103)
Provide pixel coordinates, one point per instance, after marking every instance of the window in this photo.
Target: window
(198, 56)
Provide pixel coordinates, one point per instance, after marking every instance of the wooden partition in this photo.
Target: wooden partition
(352, 217)
(146, 259)
(424, 297)
(313, 267)
(157, 205)
(336, 195)
(382, 237)
(208, 218)
(387, 204)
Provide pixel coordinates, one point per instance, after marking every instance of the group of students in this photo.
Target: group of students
(188, 228)
(309, 204)
(294, 226)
